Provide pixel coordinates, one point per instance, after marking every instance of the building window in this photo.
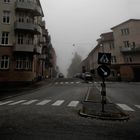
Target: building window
(4, 62)
(111, 45)
(6, 1)
(128, 59)
(23, 63)
(5, 36)
(6, 17)
(113, 59)
(20, 0)
(126, 44)
(125, 31)
(20, 38)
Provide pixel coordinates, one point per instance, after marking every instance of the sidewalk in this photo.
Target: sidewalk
(92, 107)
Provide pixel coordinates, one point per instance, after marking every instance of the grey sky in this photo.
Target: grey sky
(81, 22)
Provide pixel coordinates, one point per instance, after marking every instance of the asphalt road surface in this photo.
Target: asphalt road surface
(51, 112)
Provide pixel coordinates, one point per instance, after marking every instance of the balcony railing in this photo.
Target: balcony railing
(31, 27)
(130, 49)
(27, 48)
(29, 6)
(45, 33)
(43, 56)
(23, 48)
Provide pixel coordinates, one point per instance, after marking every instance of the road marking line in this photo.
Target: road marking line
(66, 82)
(43, 102)
(56, 83)
(138, 106)
(21, 101)
(77, 82)
(61, 83)
(125, 107)
(3, 103)
(29, 102)
(73, 103)
(58, 103)
(72, 82)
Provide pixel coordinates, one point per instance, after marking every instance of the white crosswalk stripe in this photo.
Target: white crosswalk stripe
(43, 102)
(125, 107)
(73, 103)
(138, 106)
(30, 102)
(4, 103)
(58, 103)
(18, 102)
(66, 83)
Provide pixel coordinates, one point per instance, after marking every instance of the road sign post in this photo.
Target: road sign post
(103, 71)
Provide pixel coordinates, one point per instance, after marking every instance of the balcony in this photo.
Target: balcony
(42, 40)
(42, 56)
(29, 27)
(24, 48)
(29, 6)
(131, 49)
(27, 48)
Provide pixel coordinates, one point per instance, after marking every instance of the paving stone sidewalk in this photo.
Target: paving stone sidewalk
(92, 107)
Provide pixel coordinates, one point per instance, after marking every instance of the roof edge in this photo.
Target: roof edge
(125, 22)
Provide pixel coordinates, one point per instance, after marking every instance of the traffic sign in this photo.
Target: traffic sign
(104, 58)
(103, 71)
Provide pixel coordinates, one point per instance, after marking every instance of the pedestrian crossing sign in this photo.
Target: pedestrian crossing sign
(104, 58)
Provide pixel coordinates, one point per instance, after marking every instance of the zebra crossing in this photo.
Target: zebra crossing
(67, 83)
(57, 103)
(40, 102)
(128, 108)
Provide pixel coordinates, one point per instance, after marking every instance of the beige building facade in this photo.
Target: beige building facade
(22, 37)
(124, 45)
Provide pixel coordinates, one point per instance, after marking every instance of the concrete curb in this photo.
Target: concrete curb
(103, 116)
(126, 118)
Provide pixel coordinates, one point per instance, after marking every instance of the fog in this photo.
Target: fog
(75, 25)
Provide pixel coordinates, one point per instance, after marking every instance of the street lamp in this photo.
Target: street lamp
(102, 46)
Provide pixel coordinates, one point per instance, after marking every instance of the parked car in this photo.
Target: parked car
(87, 76)
(77, 75)
(61, 75)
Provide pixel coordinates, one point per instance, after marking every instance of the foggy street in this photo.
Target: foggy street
(52, 112)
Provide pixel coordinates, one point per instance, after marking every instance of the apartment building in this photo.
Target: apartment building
(124, 45)
(21, 31)
(127, 49)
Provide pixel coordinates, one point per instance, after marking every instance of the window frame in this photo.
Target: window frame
(5, 59)
(6, 17)
(5, 38)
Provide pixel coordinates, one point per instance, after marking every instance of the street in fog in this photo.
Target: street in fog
(52, 112)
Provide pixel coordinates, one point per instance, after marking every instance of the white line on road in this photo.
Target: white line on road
(29, 102)
(7, 102)
(58, 103)
(43, 102)
(138, 106)
(61, 83)
(125, 107)
(77, 82)
(66, 82)
(21, 101)
(56, 83)
(73, 103)
(72, 82)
